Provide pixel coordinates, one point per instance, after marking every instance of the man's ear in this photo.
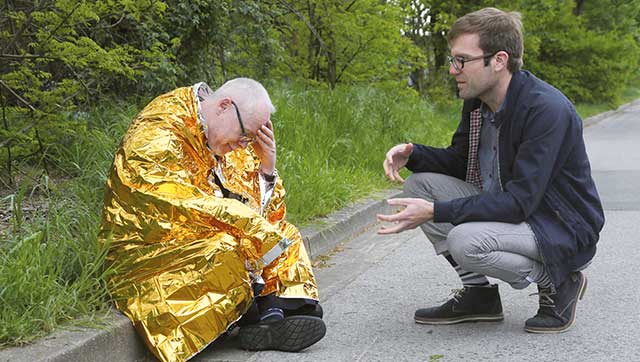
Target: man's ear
(502, 59)
(222, 104)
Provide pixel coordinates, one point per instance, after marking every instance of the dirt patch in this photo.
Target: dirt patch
(31, 210)
(31, 207)
(323, 261)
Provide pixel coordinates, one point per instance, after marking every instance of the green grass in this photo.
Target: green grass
(586, 110)
(51, 267)
(332, 144)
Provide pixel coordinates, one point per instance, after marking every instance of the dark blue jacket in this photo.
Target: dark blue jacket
(544, 173)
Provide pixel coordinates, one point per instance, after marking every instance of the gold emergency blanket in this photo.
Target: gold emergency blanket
(183, 255)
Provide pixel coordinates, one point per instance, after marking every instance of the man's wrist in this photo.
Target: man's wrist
(270, 177)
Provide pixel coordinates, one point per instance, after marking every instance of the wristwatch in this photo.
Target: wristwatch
(272, 177)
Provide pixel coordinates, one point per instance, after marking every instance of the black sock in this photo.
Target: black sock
(469, 279)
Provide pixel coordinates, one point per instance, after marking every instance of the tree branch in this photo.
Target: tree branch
(63, 21)
(25, 128)
(361, 46)
(309, 26)
(17, 95)
(27, 56)
(350, 5)
(8, 146)
(114, 24)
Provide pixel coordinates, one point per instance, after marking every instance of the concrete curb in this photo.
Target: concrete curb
(118, 341)
(599, 117)
(345, 224)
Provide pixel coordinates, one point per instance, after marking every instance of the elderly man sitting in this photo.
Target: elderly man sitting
(194, 219)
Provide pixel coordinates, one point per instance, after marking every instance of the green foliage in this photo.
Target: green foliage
(62, 56)
(58, 55)
(217, 40)
(335, 41)
(51, 266)
(630, 94)
(587, 49)
(427, 23)
(587, 65)
(606, 16)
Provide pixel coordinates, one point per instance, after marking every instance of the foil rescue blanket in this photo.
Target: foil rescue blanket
(182, 254)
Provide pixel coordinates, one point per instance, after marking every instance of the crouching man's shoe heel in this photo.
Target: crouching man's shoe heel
(469, 304)
(291, 334)
(557, 311)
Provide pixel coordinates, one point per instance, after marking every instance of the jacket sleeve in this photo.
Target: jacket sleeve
(451, 160)
(547, 128)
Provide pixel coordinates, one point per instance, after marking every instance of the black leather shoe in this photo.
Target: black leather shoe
(557, 311)
(290, 334)
(469, 304)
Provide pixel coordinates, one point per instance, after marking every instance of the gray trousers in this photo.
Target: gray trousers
(496, 249)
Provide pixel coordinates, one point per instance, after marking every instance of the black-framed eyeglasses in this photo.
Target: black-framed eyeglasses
(458, 61)
(244, 136)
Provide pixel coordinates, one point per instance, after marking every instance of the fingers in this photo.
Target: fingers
(396, 176)
(266, 138)
(267, 128)
(396, 228)
(400, 201)
(415, 212)
(399, 216)
(391, 171)
(399, 224)
(407, 150)
(391, 230)
(396, 159)
(265, 146)
(388, 218)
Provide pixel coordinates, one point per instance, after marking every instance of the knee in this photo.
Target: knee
(462, 244)
(418, 185)
(411, 185)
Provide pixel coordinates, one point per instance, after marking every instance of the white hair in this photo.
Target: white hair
(245, 91)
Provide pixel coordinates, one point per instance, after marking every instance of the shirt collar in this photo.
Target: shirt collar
(200, 91)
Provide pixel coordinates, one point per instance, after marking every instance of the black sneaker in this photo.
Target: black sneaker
(290, 334)
(468, 304)
(557, 310)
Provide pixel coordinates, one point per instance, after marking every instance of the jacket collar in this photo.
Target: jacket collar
(511, 98)
(510, 101)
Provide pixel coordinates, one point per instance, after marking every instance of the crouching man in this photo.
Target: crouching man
(512, 197)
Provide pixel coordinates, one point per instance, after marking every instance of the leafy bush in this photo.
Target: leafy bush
(587, 65)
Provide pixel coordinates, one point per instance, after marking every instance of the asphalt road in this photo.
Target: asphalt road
(371, 287)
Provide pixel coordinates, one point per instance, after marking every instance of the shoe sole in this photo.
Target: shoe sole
(291, 334)
(467, 318)
(569, 324)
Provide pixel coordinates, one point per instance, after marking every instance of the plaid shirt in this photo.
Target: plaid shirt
(473, 165)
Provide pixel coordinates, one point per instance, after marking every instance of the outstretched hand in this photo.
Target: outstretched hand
(396, 159)
(416, 212)
(265, 147)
